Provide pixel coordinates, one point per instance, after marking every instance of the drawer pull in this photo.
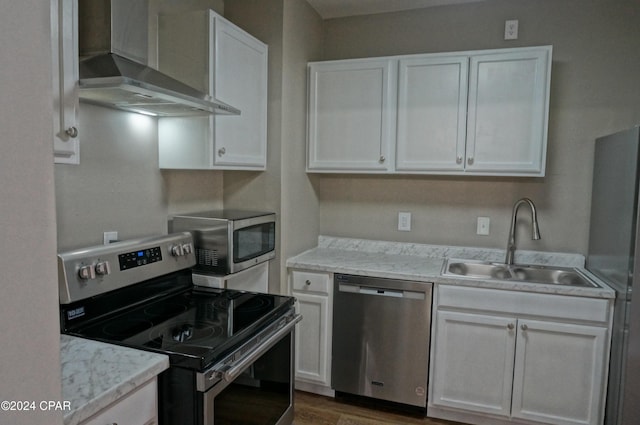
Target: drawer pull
(307, 282)
(510, 326)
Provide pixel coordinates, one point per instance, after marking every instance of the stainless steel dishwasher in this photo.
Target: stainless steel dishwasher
(381, 333)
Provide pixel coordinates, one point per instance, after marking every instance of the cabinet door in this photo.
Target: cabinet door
(559, 372)
(211, 54)
(240, 80)
(351, 115)
(313, 338)
(473, 362)
(64, 39)
(432, 106)
(136, 408)
(508, 112)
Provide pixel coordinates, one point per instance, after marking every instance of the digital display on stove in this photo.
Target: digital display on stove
(139, 258)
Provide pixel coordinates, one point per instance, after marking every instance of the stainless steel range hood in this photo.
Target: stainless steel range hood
(113, 37)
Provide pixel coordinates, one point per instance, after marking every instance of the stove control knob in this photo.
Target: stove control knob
(177, 250)
(87, 272)
(187, 248)
(103, 268)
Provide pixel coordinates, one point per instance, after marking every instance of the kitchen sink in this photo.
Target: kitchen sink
(567, 276)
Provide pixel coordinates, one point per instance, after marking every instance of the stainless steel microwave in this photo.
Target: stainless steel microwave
(227, 241)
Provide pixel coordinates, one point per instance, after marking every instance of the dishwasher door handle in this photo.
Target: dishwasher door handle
(383, 292)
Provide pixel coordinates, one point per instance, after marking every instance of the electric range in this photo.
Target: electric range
(223, 345)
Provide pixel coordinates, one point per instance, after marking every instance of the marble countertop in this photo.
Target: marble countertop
(420, 262)
(95, 374)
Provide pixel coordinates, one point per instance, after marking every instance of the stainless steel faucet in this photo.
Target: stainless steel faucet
(511, 243)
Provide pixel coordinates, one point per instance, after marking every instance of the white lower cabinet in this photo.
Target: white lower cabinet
(475, 362)
(313, 292)
(558, 373)
(496, 356)
(139, 407)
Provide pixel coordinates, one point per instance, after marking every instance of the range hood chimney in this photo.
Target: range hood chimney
(113, 40)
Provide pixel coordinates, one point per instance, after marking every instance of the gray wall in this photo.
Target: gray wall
(118, 185)
(595, 90)
(30, 355)
(293, 31)
(262, 190)
(300, 205)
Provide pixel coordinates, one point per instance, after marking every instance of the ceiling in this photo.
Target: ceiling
(340, 8)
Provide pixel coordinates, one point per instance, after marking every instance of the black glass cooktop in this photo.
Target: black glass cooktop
(196, 327)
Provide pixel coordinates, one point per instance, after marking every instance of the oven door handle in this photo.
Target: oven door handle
(231, 371)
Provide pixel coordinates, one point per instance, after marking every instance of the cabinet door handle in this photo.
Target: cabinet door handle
(307, 282)
(459, 160)
(382, 159)
(71, 132)
(470, 160)
(524, 327)
(510, 326)
(221, 151)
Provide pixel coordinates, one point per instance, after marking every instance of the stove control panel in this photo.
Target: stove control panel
(92, 271)
(140, 258)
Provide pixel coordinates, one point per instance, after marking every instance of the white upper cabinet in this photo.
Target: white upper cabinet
(432, 95)
(208, 52)
(351, 115)
(465, 113)
(508, 111)
(64, 43)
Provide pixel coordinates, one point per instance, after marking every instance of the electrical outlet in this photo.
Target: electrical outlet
(404, 221)
(483, 226)
(109, 237)
(511, 29)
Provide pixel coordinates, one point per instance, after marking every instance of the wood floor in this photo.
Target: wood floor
(312, 409)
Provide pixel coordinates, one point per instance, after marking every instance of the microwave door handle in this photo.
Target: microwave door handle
(230, 372)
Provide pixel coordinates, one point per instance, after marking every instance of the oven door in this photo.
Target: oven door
(256, 389)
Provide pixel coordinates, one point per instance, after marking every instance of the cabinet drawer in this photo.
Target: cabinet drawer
(311, 282)
(136, 408)
(523, 303)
